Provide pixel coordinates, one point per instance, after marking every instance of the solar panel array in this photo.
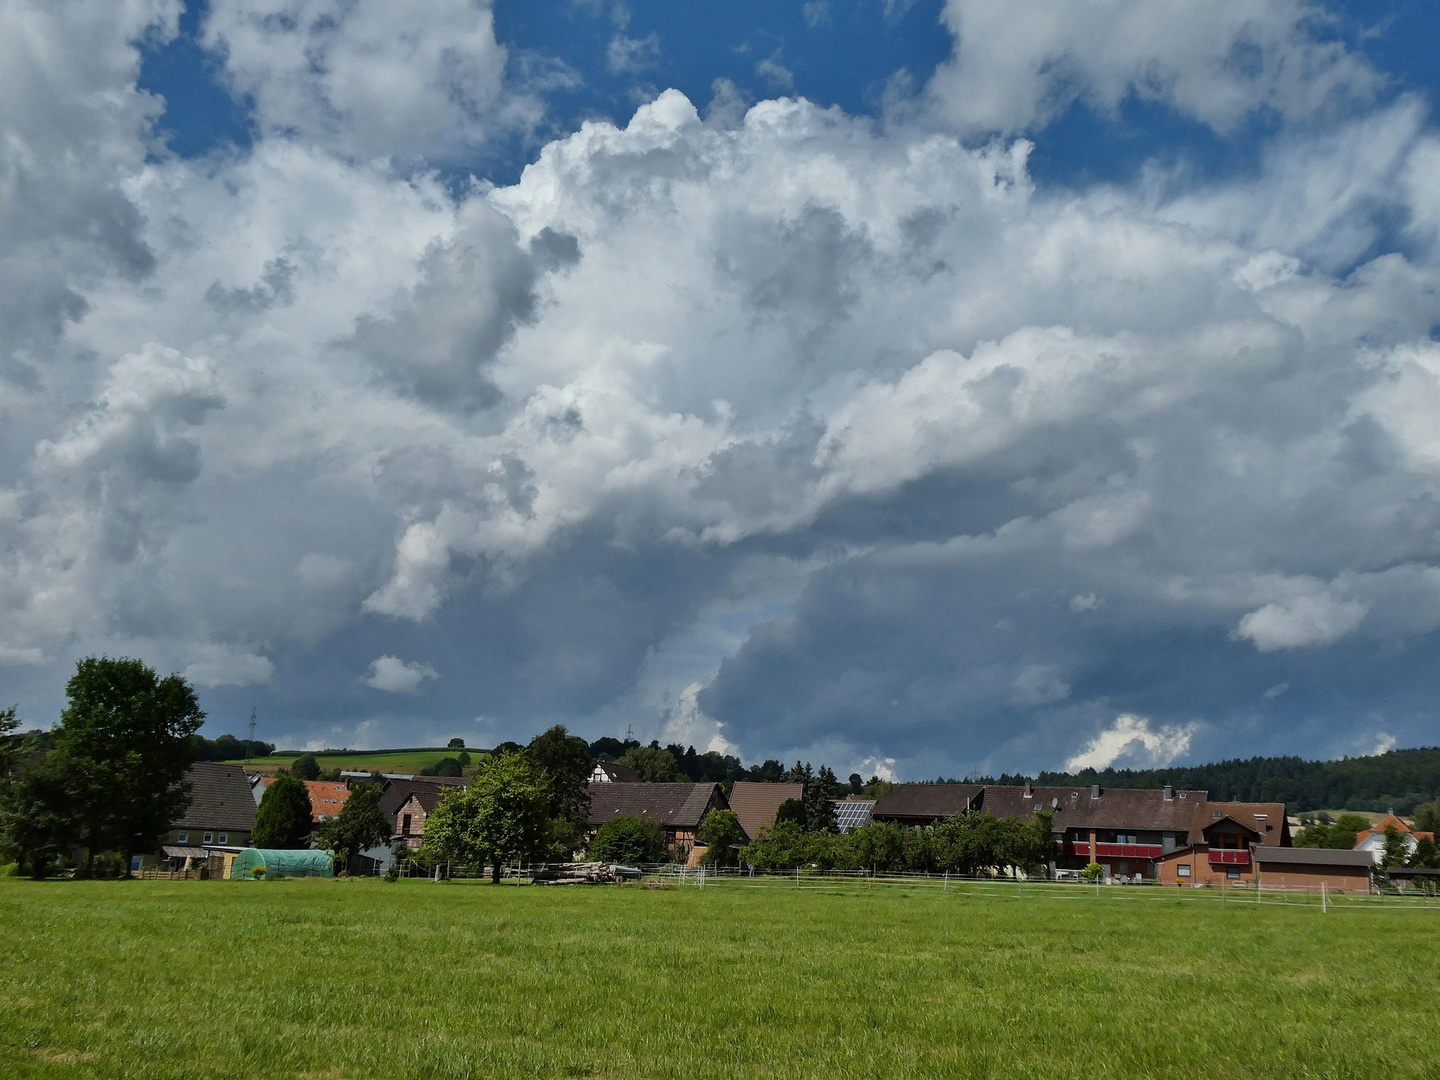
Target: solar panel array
(853, 814)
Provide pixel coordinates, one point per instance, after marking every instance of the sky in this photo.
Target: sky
(925, 387)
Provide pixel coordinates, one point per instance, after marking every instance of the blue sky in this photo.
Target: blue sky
(917, 387)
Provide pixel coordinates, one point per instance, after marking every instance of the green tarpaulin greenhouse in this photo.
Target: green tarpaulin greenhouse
(279, 863)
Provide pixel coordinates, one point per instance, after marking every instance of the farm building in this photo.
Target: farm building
(1272, 866)
(610, 772)
(406, 804)
(677, 808)
(756, 804)
(219, 818)
(925, 804)
(327, 797)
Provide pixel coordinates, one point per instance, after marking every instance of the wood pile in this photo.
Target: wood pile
(584, 873)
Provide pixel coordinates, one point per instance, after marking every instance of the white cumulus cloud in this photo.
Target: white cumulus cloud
(397, 676)
(1130, 740)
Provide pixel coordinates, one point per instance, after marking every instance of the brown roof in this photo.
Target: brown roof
(220, 799)
(925, 802)
(1081, 807)
(1266, 820)
(675, 806)
(757, 804)
(396, 793)
(621, 774)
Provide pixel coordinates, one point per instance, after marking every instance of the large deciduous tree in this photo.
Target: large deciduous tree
(124, 744)
(501, 816)
(566, 760)
(360, 824)
(653, 763)
(283, 819)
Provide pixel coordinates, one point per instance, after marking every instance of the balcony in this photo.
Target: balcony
(1229, 857)
(1116, 851)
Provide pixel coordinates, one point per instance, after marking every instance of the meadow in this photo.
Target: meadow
(364, 979)
(381, 761)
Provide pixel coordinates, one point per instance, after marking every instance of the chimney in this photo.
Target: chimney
(1169, 793)
(1094, 791)
(1029, 794)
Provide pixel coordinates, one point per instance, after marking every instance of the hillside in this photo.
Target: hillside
(405, 760)
(1398, 780)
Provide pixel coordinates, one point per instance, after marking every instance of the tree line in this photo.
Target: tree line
(1400, 780)
(109, 779)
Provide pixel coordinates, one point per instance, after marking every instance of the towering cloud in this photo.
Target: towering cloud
(844, 436)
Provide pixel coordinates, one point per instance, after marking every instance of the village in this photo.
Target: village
(1115, 836)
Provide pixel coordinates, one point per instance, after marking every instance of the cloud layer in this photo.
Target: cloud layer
(788, 431)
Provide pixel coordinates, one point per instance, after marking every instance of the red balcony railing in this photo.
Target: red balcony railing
(1117, 851)
(1229, 857)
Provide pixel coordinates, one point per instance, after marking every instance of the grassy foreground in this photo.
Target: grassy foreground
(367, 980)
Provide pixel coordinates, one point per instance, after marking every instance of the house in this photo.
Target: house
(407, 803)
(756, 804)
(327, 798)
(677, 808)
(610, 772)
(219, 817)
(1125, 830)
(1372, 840)
(925, 804)
(1222, 844)
(853, 813)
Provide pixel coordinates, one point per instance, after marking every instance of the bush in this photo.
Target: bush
(628, 840)
(1093, 872)
(722, 834)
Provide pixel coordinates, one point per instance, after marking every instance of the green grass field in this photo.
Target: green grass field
(393, 761)
(361, 979)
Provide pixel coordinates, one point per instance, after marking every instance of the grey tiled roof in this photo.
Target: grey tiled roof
(1300, 856)
(675, 806)
(220, 799)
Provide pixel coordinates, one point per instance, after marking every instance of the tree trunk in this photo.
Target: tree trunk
(495, 873)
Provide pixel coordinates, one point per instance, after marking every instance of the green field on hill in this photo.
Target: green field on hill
(363, 979)
(393, 761)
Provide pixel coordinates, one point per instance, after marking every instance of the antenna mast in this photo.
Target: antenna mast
(250, 744)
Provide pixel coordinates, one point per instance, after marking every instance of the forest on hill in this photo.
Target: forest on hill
(1398, 780)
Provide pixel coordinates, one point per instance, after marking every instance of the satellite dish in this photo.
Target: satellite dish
(1054, 804)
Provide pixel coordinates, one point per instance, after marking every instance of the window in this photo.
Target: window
(1126, 838)
(209, 838)
(1183, 871)
(405, 825)
(1233, 874)
(182, 837)
(224, 839)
